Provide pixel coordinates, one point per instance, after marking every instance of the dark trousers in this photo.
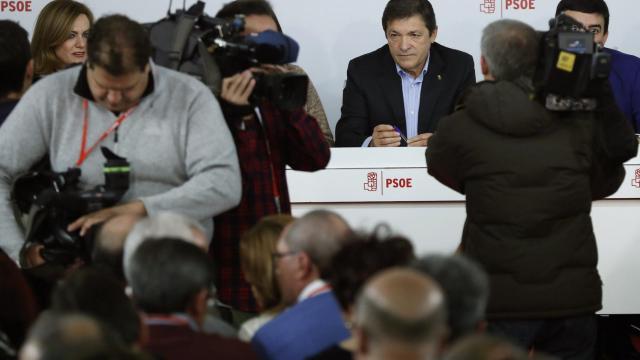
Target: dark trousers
(572, 338)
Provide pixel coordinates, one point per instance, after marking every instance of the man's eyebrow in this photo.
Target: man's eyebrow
(595, 26)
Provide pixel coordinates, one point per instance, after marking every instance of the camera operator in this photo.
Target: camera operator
(267, 139)
(530, 175)
(625, 68)
(168, 125)
(259, 17)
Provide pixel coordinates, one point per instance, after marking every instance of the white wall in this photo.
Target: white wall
(331, 32)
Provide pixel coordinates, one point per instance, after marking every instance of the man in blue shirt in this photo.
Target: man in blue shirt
(397, 94)
(16, 66)
(625, 68)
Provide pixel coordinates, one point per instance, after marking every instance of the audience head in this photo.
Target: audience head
(485, 347)
(256, 247)
(593, 14)
(108, 247)
(258, 15)
(118, 51)
(72, 337)
(410, 28)
(304, 250)
(60, 36)
(94, 293)
(171, 276)
(466, 289)
(400, 314)
(509, 50)
(16, 66)
(164, 224)
(361, 257)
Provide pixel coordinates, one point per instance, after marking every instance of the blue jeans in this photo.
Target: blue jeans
(572, 338)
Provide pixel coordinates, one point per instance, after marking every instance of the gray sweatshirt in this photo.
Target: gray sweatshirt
(182, 155)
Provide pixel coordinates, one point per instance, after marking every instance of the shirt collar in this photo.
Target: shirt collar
(82, 85)
(314, 288)
(403, 73)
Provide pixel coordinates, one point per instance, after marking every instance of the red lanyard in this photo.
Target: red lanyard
(85, 127)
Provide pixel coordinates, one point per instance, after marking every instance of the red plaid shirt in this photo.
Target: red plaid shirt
(295, 139)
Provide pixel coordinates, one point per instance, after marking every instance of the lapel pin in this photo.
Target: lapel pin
(439, 77)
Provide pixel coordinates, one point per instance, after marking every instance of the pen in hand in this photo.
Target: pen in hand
(397, 129)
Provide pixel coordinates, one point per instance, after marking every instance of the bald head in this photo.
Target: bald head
(70, 336)
(401, 309)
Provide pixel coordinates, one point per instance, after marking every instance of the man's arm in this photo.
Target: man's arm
(24, 139)
(353, 127)
(443, 155)
(211, 163)
(305, 148)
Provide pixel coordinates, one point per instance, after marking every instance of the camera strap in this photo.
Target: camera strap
(85, 127)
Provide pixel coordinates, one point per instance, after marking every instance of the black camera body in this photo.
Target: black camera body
(571, 67)
(54, 200)
(212, 48)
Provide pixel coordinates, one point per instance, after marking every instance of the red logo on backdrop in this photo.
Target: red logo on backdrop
(636, 180)
(520, 4)
(372, 182)
(15, 6)
(488, 6)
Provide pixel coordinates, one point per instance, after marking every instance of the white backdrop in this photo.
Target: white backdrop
(331, 32)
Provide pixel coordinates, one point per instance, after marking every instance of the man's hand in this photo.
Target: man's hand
(85, 222)
(384, 135)
(236, 89)
(419, 140)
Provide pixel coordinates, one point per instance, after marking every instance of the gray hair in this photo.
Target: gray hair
(320, 234)
(510, 48)
(162, 225)
(466, 289)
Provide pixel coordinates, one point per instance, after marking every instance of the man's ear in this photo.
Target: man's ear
(434, 34)
(604, 38)
(28, 76)
(484, 66)
(307, 269)
(197, 308)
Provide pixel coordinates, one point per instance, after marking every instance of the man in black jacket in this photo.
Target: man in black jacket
(396, 95)
(530, 176)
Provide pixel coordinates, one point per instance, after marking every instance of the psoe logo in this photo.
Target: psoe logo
(520, 4)
(488, 6)
(635, 182)
(15, 6)
(372, 182)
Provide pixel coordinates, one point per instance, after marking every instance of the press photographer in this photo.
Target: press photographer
(268, 139)
(530, 174)
(242, 56)
(120, 100)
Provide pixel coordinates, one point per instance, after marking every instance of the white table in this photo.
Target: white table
(369, 186)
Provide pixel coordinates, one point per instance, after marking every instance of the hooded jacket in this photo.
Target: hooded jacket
(529, 176)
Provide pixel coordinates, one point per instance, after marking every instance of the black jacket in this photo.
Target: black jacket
(529, 176)
(373, 92)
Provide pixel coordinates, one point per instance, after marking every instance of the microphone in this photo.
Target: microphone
(272, 47)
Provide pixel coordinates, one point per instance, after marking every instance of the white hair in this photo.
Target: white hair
(162, 225)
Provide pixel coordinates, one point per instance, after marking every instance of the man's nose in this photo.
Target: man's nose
(114, 97)
(405, 43)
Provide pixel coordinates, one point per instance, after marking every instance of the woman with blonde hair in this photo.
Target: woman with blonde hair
(256, 249)
(60, 36)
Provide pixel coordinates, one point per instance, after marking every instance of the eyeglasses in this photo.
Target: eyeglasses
(279, 255)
